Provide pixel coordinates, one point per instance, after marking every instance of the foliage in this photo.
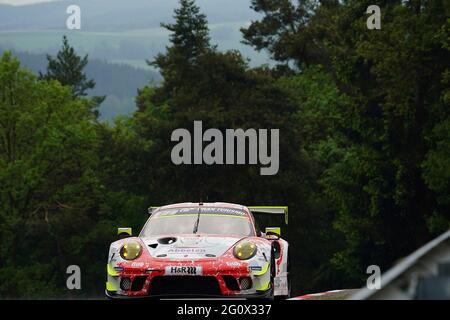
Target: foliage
(47, 159)
(364, 125)
(392, 138)
(67, 69)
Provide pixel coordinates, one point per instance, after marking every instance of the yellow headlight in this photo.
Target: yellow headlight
(244, 250)
(131, 250)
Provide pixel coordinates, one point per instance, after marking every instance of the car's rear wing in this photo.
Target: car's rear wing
(270, 210)
(152, 209)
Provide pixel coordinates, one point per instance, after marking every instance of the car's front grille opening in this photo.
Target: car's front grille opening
(246, 283)
(138, 283)
(125, 284)
(231, 283)
(184, 285)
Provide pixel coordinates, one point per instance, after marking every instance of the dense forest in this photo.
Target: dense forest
(364, 124)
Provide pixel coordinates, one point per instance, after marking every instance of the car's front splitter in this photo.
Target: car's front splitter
(268, 294)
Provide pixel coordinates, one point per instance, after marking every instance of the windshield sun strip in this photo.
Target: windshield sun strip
(195, 215)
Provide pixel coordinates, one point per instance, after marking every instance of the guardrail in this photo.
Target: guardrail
(425, 274)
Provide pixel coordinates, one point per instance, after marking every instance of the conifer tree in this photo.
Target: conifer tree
(189, 41)
(68, 68)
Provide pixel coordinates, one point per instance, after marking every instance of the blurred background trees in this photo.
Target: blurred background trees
(364, 133)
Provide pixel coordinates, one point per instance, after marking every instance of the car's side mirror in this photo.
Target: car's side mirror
(124, 232)
(273, 232)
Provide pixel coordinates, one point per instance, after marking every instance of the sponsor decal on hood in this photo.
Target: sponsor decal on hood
(194, 247)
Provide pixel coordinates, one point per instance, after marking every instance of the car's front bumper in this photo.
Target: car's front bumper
(214, 282)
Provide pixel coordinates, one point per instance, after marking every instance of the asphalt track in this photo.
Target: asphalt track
(328, 295)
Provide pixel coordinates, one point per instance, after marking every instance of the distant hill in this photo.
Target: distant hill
(119, 82)
(120, 31)
(104, 15)
(119, 36)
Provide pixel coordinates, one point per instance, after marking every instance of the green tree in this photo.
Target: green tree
(317, 119)
(389, 148)
(190, 32)
(189, 39)
(222, 91)
(293, 33)
(48, 187)
(67, 68)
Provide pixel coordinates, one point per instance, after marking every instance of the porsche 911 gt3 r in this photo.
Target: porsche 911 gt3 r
(202, 250)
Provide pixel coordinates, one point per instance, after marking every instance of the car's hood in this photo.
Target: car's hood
(189, 247)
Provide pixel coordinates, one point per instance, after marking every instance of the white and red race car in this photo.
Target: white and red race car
(200, 250)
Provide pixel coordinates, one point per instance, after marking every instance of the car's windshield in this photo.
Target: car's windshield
(212, 220)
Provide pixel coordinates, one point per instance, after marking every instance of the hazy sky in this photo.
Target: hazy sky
(20, 2)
